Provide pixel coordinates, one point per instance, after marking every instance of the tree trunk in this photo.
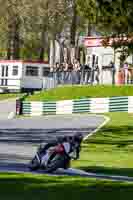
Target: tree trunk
(66, 55)
(61, 51)
(16, 54)
(74, 25)
(43, 44)
(10, 47)
(69, 55)
(72, 54)
(77, 53)
(73, 32)
(57, 51)
(52, 53)
(89, 28)
(13, 46)
(48, 52)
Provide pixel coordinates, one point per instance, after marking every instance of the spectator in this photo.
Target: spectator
(125, 67)
(76, 65)
(112, 65)
(96, 73)
(76, 73)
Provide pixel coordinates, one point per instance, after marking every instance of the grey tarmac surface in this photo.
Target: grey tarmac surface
(20, 137)
(6, 107)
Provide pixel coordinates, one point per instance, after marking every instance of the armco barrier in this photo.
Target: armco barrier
(19, 104)
(86, 105)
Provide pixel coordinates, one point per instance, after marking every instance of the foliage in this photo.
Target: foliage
(10, 95)
(115, 17)
(121, 43)
(26, 26)
(114, 20)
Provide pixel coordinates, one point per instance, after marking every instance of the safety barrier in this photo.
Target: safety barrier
(19, 104)
(86, 105)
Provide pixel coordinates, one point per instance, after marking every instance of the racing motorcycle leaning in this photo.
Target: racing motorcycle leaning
(56, 156)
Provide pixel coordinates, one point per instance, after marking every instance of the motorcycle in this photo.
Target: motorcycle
(56, 158)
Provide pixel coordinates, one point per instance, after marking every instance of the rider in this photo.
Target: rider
(70, 143)
(44, 150)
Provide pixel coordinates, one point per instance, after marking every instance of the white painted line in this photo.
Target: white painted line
(107, 119)
(72, 171)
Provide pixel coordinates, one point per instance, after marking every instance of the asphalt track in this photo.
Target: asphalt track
(19, 139)
(7, 107)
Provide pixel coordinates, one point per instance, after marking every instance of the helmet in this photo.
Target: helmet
(78, 138)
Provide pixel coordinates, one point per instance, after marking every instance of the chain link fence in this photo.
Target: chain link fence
(70, 77)
(85, 76)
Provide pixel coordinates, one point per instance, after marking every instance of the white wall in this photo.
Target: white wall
(13, 81)
(33, 81)
(106, 55)
(20, 80)
(10, 64)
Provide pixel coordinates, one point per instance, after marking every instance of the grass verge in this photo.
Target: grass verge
(39, 187)
(76, 92)
(10, 95)
(110, 150)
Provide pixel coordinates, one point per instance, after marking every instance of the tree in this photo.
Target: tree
(115, 17)
(12, 17)
(121, 44)
(87, 9)
(112, 19)
(117, 23)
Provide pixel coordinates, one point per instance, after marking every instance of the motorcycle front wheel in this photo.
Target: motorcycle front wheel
(58, 161)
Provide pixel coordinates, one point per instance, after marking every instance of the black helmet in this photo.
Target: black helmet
(78, 138)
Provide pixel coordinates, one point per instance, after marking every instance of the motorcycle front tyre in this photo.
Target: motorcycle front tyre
(58, 161)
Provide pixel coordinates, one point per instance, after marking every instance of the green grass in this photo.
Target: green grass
(110, 150)
(76, 92)
(10, 95)
(39, 187)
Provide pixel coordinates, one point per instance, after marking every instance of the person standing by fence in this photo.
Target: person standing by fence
(96, 73)
(76, 72)
(125, 67)
(112, 65)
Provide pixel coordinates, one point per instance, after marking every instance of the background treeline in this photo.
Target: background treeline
(30, 29)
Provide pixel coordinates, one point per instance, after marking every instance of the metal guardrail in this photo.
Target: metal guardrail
(86, 105)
